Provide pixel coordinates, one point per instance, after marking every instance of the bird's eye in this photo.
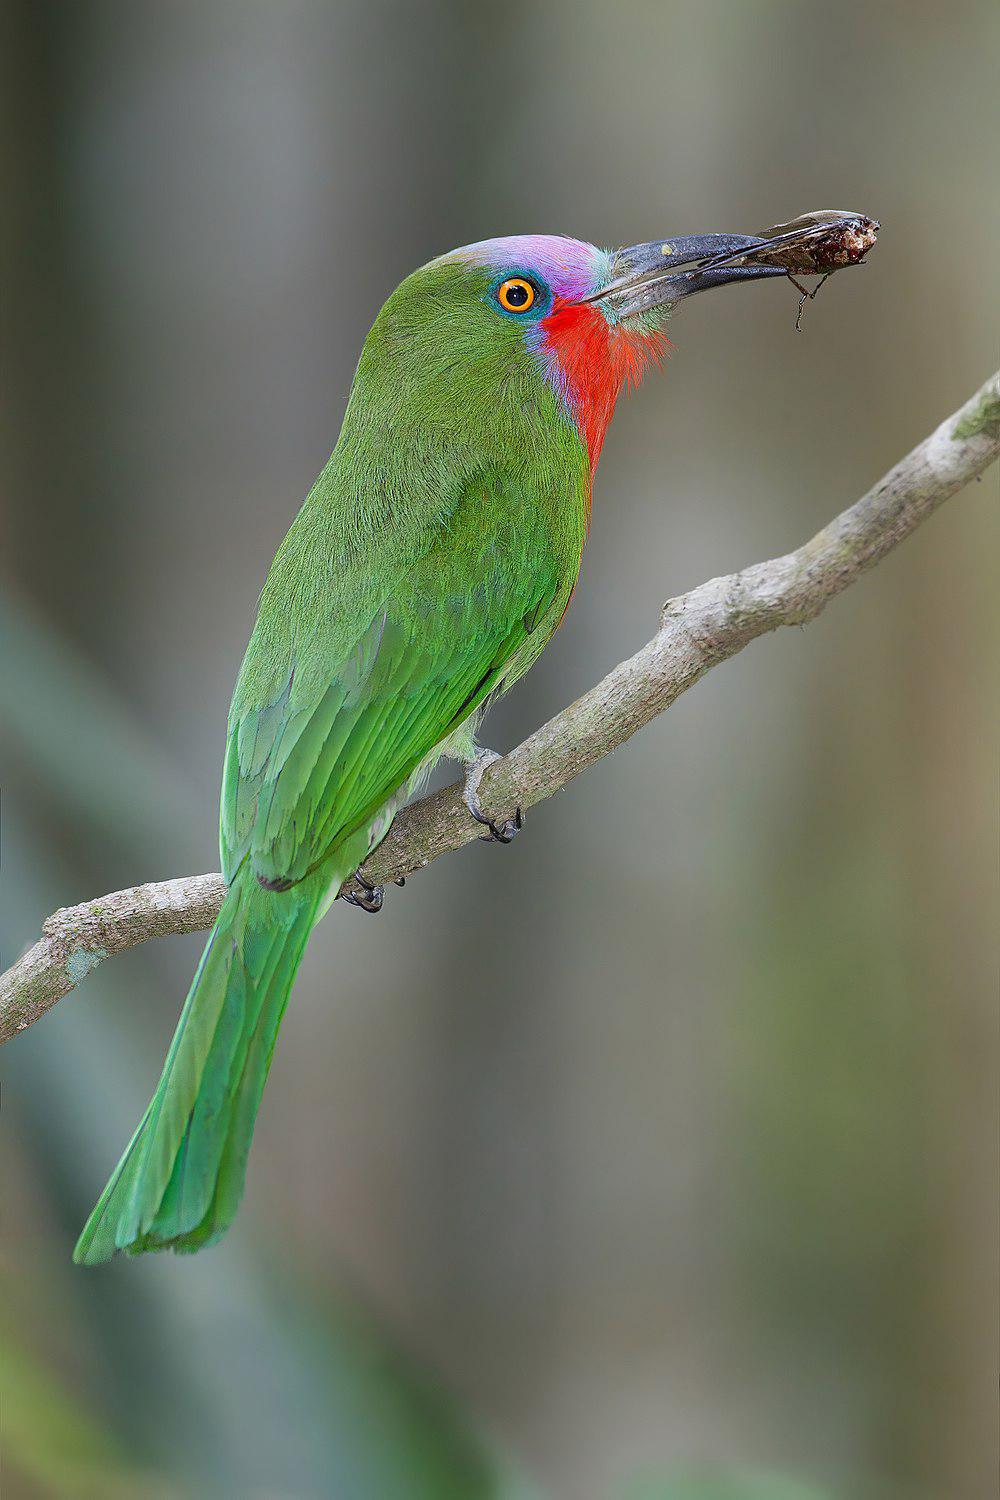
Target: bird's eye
(516, 295)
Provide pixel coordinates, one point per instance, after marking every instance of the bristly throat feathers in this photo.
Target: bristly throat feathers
(587, 361)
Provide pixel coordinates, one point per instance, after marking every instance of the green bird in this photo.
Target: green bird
(429, 565)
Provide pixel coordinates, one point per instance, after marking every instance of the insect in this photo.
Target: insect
(814, 244)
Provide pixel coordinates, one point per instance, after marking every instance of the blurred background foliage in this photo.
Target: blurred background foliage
(655, 1156)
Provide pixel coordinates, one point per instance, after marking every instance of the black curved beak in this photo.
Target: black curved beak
(652, 274)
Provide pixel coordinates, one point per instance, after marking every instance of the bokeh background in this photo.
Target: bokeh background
(655, 1156)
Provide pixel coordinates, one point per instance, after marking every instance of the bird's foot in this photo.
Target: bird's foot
(369, 898)
(497, 833)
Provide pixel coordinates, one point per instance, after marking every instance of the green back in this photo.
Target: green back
(429, 565)
(426, 570)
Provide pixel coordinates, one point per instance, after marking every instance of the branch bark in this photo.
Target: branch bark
(697, 630)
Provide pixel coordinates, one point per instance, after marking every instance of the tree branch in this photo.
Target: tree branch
(697, 630)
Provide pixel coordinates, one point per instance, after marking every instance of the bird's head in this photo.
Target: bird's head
(471, 331)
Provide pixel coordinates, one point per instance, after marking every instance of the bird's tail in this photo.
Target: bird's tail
(179, 1182)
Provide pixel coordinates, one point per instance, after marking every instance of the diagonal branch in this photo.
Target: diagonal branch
(697, 630)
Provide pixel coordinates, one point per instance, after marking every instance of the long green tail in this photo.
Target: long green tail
(180, 1181)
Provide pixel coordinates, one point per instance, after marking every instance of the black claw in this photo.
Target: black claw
(499, 833)
(371, 896)
(372, 903)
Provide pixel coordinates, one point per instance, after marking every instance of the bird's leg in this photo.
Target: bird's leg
(497, 833)
(371, 896)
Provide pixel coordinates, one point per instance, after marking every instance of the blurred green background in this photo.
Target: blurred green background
(653, 1157)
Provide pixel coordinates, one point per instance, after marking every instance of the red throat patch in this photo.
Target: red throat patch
(593, 361)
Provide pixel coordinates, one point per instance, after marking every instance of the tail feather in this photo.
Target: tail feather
(180, 1181)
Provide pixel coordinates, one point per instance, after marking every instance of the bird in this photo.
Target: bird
(429, 565)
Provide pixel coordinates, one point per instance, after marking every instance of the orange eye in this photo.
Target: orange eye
(516, 295)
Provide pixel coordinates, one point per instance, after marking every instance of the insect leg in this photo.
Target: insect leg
(806, 295)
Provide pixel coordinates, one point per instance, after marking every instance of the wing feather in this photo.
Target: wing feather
(310, 765)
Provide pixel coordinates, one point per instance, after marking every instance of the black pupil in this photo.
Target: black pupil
(518, 294)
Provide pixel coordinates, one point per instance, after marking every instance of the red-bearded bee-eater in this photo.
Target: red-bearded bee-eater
(429, 565)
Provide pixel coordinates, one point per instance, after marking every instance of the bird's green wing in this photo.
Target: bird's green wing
(308, 766)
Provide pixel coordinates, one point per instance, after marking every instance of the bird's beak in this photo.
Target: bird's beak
(653, 274)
